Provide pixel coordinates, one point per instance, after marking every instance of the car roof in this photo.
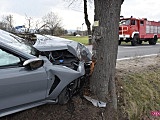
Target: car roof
(7, 41)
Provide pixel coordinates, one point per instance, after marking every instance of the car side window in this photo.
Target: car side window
(8, 59)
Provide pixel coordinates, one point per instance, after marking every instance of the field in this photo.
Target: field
(81, 39)
(84, 40)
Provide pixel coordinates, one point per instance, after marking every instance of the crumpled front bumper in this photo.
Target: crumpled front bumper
(65, 75)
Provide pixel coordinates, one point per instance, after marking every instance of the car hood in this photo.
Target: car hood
(51, 43)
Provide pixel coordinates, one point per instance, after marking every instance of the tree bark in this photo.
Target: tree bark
(87, 22)
(105, 46)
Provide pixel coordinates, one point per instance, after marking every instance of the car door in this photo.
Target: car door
(18, 85)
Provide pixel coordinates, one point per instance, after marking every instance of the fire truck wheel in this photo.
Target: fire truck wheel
(153, 41)
(119, 42)
(140, 42)
(134, 40)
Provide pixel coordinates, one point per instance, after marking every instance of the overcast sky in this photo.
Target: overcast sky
(73, 17)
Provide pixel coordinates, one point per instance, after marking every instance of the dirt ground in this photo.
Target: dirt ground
(137, 64)
(79, 108)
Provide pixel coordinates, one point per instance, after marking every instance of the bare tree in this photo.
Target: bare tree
(52, 22)
(8, 22)
(3, 26)
(38, 26)
(29, 19)
(105, 36)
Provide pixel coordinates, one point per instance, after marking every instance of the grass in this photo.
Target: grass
(84, 40)
(81, 39)
(141, 94)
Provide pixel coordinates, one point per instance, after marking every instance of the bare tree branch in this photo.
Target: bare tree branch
(87, 22)
(8, 22)
(52, 22)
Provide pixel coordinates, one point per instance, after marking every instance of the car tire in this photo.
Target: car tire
(71, 89)
(64, 96)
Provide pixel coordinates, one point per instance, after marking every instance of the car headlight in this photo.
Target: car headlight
(83, 53)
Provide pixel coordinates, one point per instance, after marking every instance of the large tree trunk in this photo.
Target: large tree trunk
(87, 22)
(105, 36)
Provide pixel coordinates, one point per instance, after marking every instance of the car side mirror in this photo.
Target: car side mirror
(34, 63)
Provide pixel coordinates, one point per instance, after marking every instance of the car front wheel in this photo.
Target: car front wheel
(69, 91)
(64, 96)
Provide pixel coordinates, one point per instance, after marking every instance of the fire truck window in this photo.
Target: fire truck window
(133, 22)
(124, 22)
(141, 22)
(127, 22)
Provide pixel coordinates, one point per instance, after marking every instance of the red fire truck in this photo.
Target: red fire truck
(137, 30)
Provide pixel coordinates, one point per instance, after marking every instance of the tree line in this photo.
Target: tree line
(49, 24)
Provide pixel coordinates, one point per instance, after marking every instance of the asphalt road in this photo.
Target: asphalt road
(127, 51)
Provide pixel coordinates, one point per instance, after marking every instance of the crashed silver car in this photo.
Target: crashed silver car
(49, 71)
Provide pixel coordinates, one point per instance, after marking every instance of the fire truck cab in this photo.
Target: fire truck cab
(137, 30)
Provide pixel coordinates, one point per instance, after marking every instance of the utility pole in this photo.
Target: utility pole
(82, 28)
(29, 22)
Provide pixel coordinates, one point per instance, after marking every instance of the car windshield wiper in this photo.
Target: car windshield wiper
(18, 39)
(21, 40)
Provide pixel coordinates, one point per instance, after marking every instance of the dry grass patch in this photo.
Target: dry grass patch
(139, 89)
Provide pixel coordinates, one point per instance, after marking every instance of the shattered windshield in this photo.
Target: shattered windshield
(18, 43)
(124, 22)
